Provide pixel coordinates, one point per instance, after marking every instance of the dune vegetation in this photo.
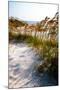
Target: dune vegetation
(43, 36)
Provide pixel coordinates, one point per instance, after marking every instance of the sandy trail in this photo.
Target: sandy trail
(22, 63)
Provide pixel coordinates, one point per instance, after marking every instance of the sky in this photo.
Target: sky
(31, 11)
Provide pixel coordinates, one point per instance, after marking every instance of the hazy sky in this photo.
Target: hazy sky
(31, 11)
